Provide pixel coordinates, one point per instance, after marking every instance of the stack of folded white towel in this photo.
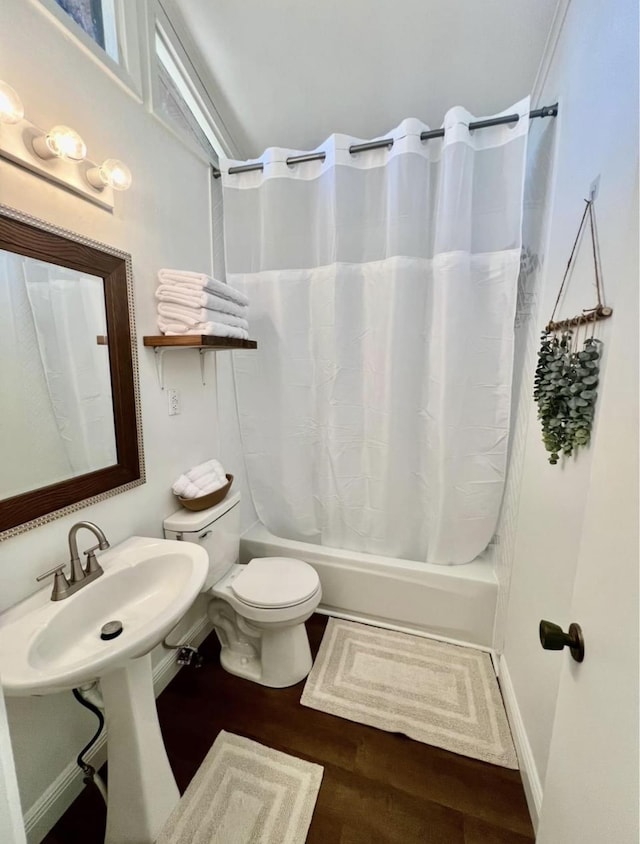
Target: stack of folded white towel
(194, 303)
(201, 480)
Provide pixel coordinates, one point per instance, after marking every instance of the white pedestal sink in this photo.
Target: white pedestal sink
(47, 647)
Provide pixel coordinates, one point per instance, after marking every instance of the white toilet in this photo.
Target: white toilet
(257, 610)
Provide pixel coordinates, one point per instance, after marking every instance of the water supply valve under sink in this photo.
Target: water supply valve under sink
(188, 655)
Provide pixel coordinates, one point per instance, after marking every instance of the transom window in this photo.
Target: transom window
(178, 102)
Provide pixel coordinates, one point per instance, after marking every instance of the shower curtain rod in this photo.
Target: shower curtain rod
(545, 111)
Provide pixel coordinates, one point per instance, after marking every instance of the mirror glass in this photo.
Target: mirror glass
(57, 411)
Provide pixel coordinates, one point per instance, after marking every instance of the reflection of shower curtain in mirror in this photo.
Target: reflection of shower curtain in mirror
(57, 375)
(69, 315)
(375, 415)
(31, 451)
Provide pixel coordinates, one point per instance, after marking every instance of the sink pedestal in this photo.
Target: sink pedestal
(142, 791)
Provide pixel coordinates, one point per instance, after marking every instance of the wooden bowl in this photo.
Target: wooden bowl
(206, 501)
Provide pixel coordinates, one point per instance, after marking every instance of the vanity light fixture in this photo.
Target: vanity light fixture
(112, 173)
(61, 142)
(59, 155)
(11, 108)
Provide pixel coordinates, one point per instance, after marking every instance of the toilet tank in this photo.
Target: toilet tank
(217, 530)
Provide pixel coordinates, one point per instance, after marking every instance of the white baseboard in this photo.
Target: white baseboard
(528, 769)
(40, 818)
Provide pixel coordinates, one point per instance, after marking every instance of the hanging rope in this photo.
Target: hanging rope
(588, 315)
(596, 262)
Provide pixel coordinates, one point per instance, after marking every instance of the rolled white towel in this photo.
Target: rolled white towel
(210, 478)
(214, 329)
(178, 277)
(193, 491)
(183, 486)
(213, 485)
(203, 469)
(200, 300)
(188, 489)
(215, 470)
(203, 476)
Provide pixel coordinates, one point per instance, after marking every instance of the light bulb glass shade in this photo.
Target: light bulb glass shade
(64, 142)
(112, 173)
(11, 108)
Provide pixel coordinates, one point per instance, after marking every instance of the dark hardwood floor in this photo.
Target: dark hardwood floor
(378, 788)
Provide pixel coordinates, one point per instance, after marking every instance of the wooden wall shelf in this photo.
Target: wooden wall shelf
(197, 341)
(202, 343)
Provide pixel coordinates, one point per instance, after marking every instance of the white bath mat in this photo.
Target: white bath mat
(440, 694)
(245, 793)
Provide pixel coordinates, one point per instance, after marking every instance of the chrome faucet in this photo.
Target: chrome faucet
(63, 587)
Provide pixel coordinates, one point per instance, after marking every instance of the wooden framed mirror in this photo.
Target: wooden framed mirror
(70, 426)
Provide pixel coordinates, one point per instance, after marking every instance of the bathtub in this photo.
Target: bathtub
(456, 603)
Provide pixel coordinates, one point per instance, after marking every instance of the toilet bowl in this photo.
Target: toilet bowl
(258, 610)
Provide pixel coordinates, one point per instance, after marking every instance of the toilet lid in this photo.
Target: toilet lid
(275, 582)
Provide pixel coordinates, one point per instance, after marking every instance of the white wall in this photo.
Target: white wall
(594, 75)
(164, 220)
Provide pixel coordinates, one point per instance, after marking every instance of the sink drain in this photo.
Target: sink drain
(111, 630)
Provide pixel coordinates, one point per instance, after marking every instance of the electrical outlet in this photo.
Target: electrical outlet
(173, 397)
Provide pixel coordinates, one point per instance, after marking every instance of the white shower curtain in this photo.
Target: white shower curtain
(69, 314)
(375, 414)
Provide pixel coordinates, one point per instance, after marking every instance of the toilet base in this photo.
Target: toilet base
(271, 655)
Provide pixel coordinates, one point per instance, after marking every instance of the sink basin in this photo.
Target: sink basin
(50, 646)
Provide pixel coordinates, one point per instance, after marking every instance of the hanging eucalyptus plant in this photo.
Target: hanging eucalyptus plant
(565, 392)
(567, 377)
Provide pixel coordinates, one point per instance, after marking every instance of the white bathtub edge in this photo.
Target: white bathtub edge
(451, 603)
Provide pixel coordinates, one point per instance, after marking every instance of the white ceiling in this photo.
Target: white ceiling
(290, 72)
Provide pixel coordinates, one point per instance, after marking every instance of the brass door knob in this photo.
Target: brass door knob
(553, 638)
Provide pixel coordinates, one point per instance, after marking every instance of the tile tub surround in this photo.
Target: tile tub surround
(377, 787)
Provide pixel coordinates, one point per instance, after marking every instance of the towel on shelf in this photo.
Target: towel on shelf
(191, 315)
(205, 282)
(173, 328)
(194, 303)
(173, 296)
(212, 329)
